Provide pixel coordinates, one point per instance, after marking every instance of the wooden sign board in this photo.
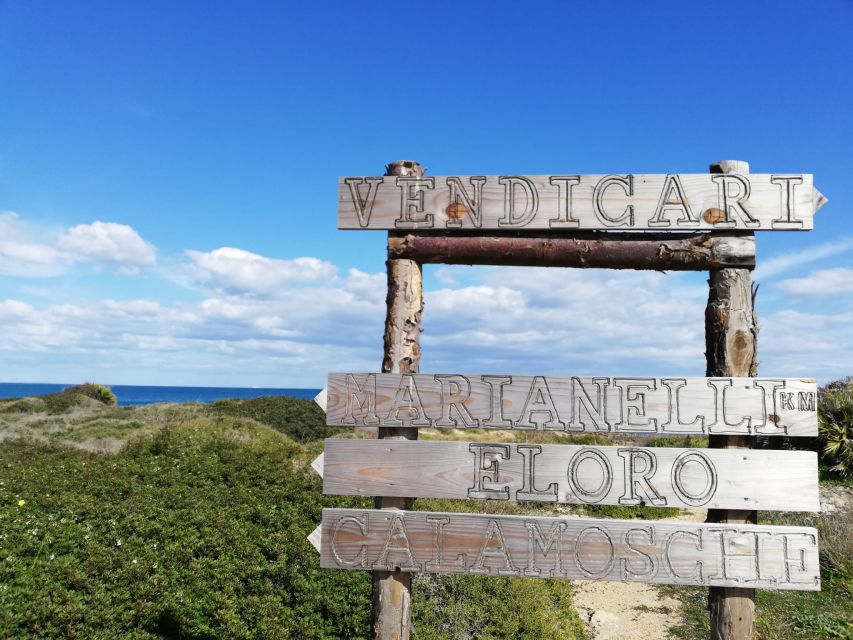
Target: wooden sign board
(661, 477)
(673, 202)
(762, 557)
(664, 406)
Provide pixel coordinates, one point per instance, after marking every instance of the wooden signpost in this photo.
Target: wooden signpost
(657, 476)
(575, 221)
(599, 404)
(672, 202)
(632, 550)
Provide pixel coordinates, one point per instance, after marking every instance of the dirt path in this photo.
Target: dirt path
(622, 610)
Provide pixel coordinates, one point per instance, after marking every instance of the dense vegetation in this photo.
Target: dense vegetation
(190, 521)
(835, 415)
(196, 529)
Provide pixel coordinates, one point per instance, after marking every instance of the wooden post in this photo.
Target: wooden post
(698, 251)
(730, 350)
(392, 614)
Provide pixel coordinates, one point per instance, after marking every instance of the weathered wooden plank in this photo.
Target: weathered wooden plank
(676, 405)
(671, 202)
(763, 557)
(665, 251)
(662, 477)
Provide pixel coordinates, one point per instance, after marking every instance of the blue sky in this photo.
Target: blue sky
(168, 180)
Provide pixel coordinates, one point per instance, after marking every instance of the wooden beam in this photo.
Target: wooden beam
(628, 550)
(731, 331)
(652, 476)
(673, 202)
(392, 611)
(599, 404)
(583, 249)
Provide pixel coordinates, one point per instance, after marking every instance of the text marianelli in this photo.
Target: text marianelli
(668, 553)
(674, 202)
(746, 406)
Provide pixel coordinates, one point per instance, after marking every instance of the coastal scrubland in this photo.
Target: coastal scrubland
(190, 521)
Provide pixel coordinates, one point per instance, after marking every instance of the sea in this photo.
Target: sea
(133, 395)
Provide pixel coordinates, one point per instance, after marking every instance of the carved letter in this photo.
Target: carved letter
(511, 217)
(608, 565)
(733, 202)
(496, 413)
(674, 415)
(693, 498)
(787, 216)
(412, 203)
(639, 479)
(539, 400)
(536, 539)
(597, 412)
(629, 392)
(453, 398)
(739, 555)
(397, 534)
(700, 546)
(672, 199)
(564, 219)
(409, 400)
(796, 568)
(627, 217)
(768, 397)
(528, 491)
(486, 470)
(627, 572)
(360, 396)
(363, 205)
(720, 415)
(488, 550)
(436, 523)
(582, 493)
(360, 559)
(472, 205)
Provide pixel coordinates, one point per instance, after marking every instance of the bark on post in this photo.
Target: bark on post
(730, 350)
(392, 615)
(584, 249)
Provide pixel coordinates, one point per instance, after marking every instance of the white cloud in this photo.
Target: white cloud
(22, 254)
(770, 267)
(238, 271)
(277, 323)
(825, 282)
(108, 243)
(30, 251)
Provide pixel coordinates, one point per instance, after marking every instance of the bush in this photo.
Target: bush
(299, 419)
(197, 533)
(835, 424)
(98, 392)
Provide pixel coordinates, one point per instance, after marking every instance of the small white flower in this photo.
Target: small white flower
(118, 543)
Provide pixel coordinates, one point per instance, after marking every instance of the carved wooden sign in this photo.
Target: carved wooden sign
(765, 557)
(745, 406)
(669, 202)
(661, 477)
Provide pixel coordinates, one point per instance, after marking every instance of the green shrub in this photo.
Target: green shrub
(491, 607)
(835, 424)
(198, 533)
(300, 419)
(98, 392)
(62, 402)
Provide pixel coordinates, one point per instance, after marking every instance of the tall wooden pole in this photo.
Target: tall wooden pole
(730, 350)
(392, 612)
